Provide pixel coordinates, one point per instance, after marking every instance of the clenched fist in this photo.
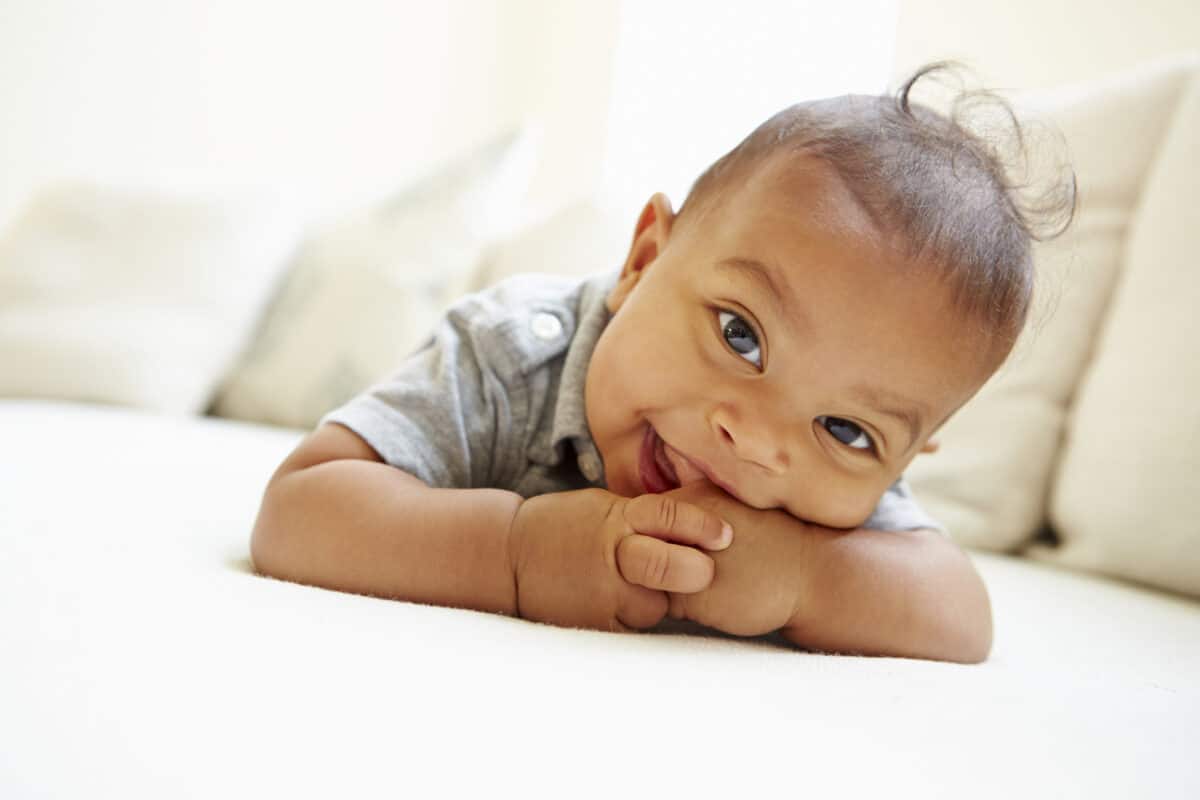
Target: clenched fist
(759, 586)
(594, 559)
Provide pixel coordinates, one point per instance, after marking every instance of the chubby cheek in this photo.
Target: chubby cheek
(610, 410)
(635, 377)
(640, 368)
(835, 503)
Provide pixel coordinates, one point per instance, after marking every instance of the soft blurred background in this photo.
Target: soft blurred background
(203, 202)
(345, 101)
(254, 208)
(221, 218)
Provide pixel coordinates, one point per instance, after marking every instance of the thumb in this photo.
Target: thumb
(655, 564)
(676, 520)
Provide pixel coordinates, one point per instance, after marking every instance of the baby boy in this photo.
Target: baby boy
(718, 432)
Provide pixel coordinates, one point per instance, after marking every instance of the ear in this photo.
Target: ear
(649, 239)
(931, 445)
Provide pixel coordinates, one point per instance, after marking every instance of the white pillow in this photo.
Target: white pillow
(583, 238)
(134, 297)
(365, 291)
(989, 483)
(1126, 499)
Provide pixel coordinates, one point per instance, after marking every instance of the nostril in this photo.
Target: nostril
(725, 433)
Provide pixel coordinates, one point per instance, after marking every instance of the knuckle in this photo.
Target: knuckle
(615, 513)
(656, 568)
(668, 513)
(616, 520)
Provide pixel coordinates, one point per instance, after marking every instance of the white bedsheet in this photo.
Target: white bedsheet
(142, 657)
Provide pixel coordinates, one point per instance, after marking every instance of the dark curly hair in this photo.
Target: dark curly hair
(943, 188)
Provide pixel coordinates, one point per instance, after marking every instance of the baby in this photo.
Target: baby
(718, 432)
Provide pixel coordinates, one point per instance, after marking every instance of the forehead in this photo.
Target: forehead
(802, 196)
(791, 218)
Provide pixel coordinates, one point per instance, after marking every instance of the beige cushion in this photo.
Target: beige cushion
(582, 238)
(366, 290)
(1127, 496)
(133, 296)
(989, 483)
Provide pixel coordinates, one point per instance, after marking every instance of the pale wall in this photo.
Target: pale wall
(349, 100)
(1021, 44)
(343, 102)
(340, 101)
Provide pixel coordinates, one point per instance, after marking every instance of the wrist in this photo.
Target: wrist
(807, 541)
(513, 544)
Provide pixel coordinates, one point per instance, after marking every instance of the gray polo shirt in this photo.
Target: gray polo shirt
(495, 398)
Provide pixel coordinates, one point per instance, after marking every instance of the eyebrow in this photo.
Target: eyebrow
(758, 273)
(892, 405)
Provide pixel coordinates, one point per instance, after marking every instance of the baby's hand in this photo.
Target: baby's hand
(594, 559)
(757, 588)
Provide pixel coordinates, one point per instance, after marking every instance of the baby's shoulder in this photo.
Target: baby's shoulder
(521, 322)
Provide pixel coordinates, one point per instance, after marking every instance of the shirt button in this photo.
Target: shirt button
(589, 465)
(545, 326)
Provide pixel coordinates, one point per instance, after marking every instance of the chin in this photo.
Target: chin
(841, 522)
(623, 491)
(617, 479)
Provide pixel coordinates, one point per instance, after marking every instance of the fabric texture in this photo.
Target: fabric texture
(496, 397)
(364, 290)
(488, 402)
(135, 296)
(1124, 499)
(141, 649)
(990, 482)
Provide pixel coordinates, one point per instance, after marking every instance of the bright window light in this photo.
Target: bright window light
(692, 79)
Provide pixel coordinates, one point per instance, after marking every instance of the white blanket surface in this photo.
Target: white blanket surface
(142, 657)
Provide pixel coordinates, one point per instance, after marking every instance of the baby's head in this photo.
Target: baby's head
(831, 291)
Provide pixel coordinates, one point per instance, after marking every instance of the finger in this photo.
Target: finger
(655, 564)
(677, 605)
(676, 521)
(640, 608)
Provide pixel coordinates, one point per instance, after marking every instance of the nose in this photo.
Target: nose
(751, 437)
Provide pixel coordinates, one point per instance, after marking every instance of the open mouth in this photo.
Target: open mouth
(656, 471)
(662, 468)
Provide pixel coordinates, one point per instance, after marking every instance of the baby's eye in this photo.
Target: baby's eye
(740, 336)
(847, 432)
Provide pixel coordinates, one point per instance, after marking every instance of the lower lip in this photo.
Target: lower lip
(654, 479)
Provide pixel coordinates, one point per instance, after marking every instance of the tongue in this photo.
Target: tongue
(682, 470)
(664, 464)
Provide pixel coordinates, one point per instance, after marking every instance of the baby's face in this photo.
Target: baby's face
(775, 347)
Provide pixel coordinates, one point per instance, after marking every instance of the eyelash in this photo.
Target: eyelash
(724, 319)
(870, 448)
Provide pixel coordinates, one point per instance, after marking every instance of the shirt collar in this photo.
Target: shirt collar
(570, 413)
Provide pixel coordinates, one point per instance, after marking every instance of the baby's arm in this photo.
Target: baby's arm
(333, 515)
(912, 593)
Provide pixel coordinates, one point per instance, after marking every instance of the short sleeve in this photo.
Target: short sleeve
(898, 510)
(442, 415)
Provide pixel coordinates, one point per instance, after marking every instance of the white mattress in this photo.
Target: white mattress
(143, 658)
